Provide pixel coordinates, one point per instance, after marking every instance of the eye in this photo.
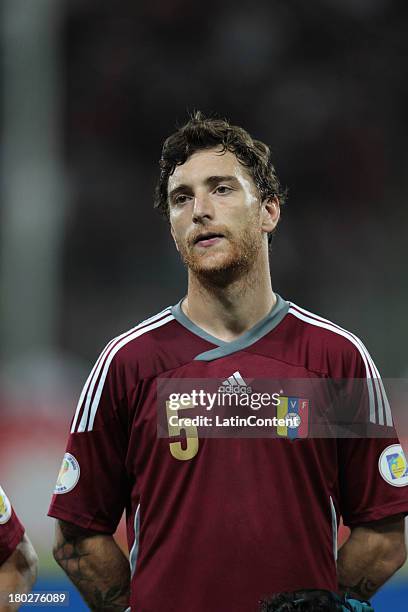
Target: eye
(180, 199)
(223, 189)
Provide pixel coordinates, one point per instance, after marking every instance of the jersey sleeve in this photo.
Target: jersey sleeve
(373, 471)
(91, 489)
(11, 530)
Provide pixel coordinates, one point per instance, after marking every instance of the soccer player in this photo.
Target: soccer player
(18, 560)
(215, 525)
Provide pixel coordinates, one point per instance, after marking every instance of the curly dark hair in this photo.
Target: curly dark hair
(303, 601)
(202, 132)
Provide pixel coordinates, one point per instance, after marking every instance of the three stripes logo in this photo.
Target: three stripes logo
(235, 384)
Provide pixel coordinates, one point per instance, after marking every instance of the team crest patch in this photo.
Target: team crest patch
(393, 466)
(5, 508)
(295, 410)
(68, 475)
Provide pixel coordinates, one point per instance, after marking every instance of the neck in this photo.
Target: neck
(227, 310)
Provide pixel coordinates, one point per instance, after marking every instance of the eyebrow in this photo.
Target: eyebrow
(210, 181)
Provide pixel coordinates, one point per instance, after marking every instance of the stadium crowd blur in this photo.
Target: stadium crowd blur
(324, 83)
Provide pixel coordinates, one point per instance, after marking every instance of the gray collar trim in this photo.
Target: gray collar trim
(260, 329)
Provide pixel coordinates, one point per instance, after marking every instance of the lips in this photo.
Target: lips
(207, 236)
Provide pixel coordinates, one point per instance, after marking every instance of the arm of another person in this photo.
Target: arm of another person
(95, 564)
(371, 555)
(18, 573)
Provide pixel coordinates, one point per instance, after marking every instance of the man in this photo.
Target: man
(18, 560)
(217, 524)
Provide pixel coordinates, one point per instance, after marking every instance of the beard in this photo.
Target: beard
(223, 263)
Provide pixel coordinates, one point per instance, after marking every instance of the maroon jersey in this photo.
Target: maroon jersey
(11, 530)
(217, 524)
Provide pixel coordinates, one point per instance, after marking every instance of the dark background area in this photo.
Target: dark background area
(323, 83)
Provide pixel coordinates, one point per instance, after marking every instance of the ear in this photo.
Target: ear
(174, 236)
(270, 211)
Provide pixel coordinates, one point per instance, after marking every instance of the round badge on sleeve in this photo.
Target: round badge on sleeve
(5, 508)
(68, 475)
(393, 466)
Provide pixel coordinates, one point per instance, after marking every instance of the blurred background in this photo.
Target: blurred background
(89, 90)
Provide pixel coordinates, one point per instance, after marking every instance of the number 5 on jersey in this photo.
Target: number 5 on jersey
(175, 429)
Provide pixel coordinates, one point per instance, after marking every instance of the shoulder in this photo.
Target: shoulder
(124, 360)
(132, 352)
(334, 349)
(137, 340)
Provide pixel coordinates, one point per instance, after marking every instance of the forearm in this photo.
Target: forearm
(369, 558)
(96, 565)
(17, 574)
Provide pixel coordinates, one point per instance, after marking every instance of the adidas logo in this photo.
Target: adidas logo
(235, 384)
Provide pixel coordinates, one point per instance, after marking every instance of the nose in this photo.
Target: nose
(203, 208)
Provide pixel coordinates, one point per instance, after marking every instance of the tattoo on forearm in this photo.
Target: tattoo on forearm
(104, 587)
(69, 557)
(108, 600)
(364, 589)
